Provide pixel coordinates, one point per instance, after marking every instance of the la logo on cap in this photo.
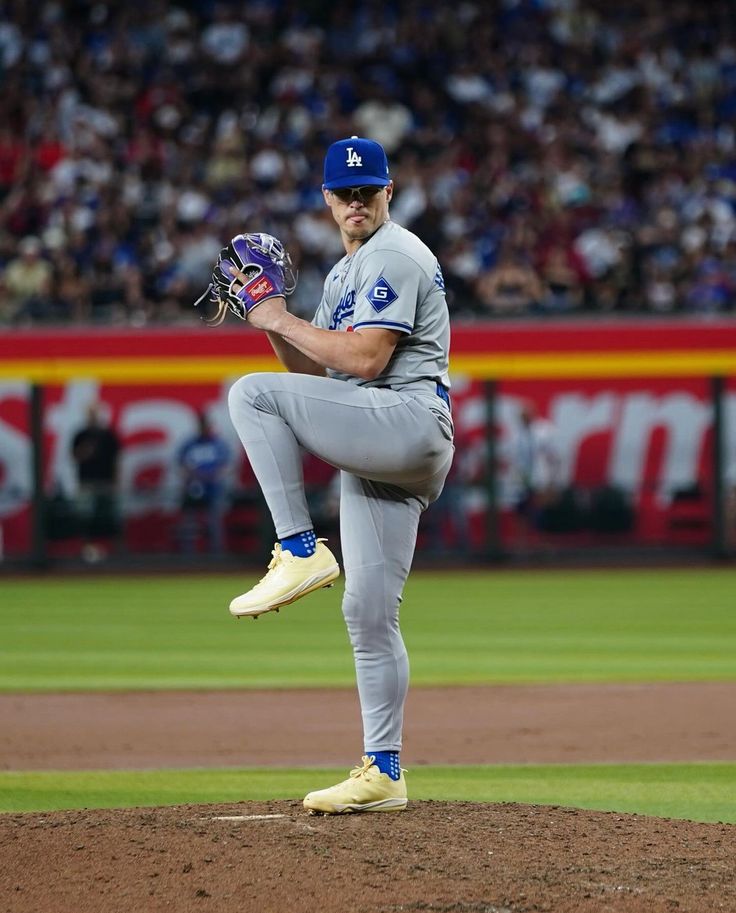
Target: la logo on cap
(354, 161)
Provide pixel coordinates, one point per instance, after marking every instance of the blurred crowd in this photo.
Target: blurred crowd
(559, 156)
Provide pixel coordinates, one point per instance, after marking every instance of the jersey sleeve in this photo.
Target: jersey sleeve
(387, 292)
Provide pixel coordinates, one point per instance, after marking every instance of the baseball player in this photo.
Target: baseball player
(368, 393)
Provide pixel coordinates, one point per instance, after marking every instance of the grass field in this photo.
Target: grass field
(479, 627)
(700, 792)
(539, 626)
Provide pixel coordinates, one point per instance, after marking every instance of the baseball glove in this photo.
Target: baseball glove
(250, 269)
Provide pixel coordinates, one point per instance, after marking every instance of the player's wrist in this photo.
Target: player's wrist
(266, 315)
(286, 325)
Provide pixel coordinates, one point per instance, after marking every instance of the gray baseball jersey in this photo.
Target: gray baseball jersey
(393, 282)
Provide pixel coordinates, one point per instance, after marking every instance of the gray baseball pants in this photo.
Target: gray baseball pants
(394, 450)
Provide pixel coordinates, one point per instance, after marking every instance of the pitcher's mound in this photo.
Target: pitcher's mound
(272, 857)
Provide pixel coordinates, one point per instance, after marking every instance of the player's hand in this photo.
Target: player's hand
(269, 315)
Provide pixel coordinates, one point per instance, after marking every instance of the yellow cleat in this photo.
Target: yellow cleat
(288, 579)
(365, 790)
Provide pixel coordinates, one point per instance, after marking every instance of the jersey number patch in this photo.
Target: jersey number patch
(381, 295)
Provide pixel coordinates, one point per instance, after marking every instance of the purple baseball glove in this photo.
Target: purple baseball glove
(265, 272)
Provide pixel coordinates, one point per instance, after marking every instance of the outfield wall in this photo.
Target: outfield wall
(632, 403)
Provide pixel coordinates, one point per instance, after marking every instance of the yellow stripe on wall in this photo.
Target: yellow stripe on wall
(514, 366)
(595, 365)
(136, 370)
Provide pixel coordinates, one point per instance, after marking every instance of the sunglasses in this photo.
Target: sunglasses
(361, 194)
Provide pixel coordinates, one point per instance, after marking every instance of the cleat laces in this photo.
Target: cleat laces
(276, 559)
(367, 763)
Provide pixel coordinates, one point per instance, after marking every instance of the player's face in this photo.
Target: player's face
(358, 211)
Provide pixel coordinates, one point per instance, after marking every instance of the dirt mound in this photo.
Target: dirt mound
(436, 856)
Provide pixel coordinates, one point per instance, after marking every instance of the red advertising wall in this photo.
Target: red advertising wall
(631, 402)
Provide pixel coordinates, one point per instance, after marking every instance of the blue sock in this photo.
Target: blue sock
(302, 545)
(387, 762)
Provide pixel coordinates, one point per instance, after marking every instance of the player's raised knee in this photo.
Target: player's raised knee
(245, 389)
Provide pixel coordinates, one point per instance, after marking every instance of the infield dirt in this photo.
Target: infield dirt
(436, 856)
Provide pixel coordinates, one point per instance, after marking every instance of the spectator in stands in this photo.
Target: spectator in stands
(70, 288)
(13, 158)
(607, 129)
(26, 285)
(510, 289)
(711, 288)
(561, 274)
(382, 118)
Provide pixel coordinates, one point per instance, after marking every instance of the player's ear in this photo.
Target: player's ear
(389, 191)
(326, 195)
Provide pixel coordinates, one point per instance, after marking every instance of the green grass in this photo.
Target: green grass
(699, 792)
(495, 626)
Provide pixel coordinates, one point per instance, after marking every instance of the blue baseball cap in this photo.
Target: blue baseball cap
(355, 162)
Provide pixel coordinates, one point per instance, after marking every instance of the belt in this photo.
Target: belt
(444, 394)
(440, 389)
